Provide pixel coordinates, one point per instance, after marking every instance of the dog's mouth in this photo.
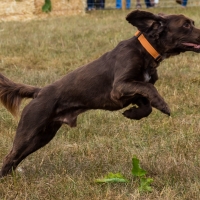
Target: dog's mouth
(192, 45)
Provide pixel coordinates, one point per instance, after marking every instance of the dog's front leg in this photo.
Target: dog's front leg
(142, 108)
(129, 89)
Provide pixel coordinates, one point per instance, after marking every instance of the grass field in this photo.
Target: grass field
(38, 53)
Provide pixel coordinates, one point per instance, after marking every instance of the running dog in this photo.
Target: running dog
(121, 77)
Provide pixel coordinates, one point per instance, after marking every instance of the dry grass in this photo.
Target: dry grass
(39, 52)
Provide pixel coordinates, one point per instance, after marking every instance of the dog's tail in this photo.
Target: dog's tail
(11, 94)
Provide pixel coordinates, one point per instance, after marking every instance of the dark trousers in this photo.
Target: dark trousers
(100, 4)
(90, 4)
(148, 3)
(184, 3)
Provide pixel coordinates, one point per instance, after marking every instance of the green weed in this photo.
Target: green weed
(137, 172)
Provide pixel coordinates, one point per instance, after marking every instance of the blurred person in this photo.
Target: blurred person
(138, 4)
(156, 3)
(100, 4)
(182, 2)
(90, 5)
(152, 2)
(149, 3)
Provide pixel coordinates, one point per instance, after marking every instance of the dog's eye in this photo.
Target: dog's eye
(186, 25)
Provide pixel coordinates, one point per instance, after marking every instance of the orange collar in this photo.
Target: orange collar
(148, 46)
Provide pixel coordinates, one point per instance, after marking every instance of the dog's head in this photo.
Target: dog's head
(172, 34)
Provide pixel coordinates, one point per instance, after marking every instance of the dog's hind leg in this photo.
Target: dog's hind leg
(34, 131)
(24, 146)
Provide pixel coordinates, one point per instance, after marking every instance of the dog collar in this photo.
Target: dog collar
(149, 48)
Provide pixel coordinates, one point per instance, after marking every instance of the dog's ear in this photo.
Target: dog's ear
(144, 20)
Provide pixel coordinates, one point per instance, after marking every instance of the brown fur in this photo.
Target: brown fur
(11, 94)
(121, 77)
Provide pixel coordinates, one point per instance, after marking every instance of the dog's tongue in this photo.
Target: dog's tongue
(196, 46)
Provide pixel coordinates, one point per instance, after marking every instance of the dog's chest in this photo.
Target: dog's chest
(147, 76)
(149, 72)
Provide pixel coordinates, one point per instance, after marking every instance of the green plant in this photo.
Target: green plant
(137, 171)
(47, 6)
(140, 173)
(112, 178)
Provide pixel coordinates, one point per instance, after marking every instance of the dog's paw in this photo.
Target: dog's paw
(162, 106)
(166, 110)
(132, 113)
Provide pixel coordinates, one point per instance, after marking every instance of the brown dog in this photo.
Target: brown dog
(117, 79)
